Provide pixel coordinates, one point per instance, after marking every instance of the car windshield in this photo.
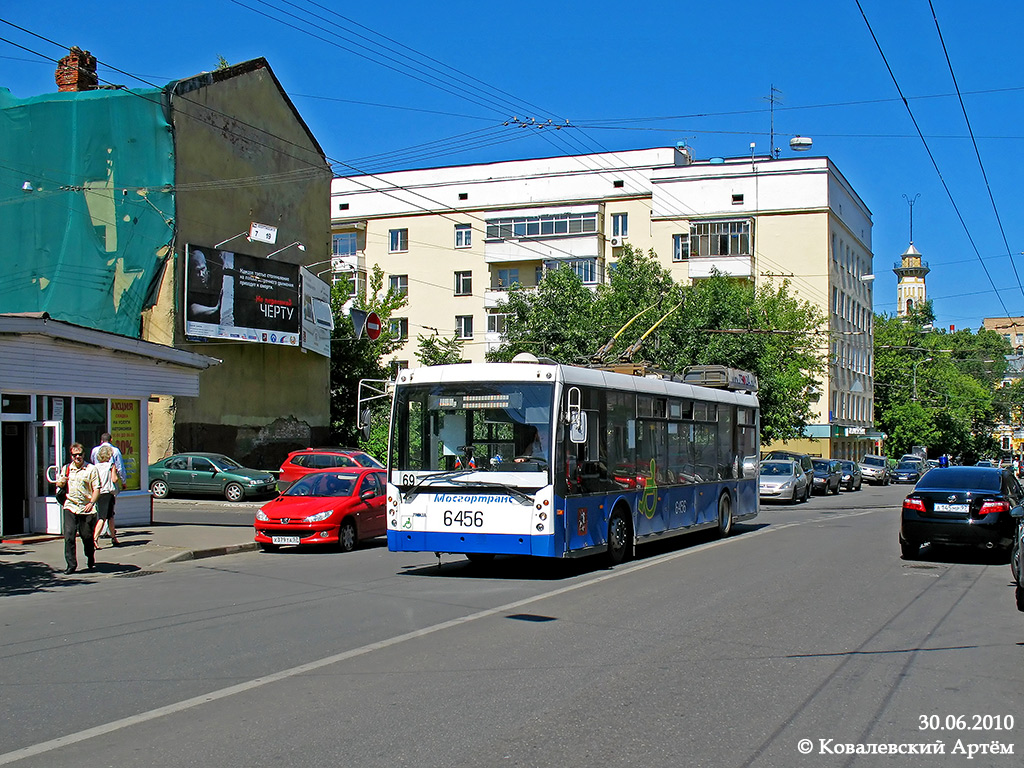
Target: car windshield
(873, 461)
(323, 484)
(849, 466)
(960, 478)
(909, 466)
(223, 463)
(367, 460)
(823, 464)
(777, 468)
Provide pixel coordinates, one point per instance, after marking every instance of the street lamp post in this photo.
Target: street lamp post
(915, 364)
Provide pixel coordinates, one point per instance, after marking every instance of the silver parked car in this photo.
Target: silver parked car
(875, 470)
(784, 481)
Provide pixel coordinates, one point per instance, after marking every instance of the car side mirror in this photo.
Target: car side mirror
(368, 494)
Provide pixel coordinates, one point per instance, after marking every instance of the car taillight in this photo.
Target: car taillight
(991, 507)
(916, 505)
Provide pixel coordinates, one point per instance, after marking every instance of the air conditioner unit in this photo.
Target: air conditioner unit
(616, 242)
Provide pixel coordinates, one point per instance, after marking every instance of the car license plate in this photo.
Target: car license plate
(285, 539)
(951, 508)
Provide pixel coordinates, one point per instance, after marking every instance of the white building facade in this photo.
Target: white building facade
(456, 238)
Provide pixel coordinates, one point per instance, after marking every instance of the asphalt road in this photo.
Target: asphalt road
(806, 625)
(206, 510)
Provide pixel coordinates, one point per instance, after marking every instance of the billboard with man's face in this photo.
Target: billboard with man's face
(231, 295)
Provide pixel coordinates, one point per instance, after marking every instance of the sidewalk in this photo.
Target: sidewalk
(29, 562)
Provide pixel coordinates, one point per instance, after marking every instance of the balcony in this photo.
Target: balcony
(733, 266)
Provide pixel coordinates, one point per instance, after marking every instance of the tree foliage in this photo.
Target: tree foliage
(938, 388)
(354, 359)
(718, 320)
(438, 350)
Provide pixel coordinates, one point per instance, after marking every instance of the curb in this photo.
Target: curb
(199, 554)
(31, 539)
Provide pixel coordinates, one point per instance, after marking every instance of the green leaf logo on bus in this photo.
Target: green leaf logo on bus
(648, 503)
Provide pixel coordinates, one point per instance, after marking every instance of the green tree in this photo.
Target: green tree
(354, 359)
(556, 320)
(937, 388)
(718, 320)
(438, 350)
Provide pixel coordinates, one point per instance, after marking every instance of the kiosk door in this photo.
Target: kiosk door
(45, 458)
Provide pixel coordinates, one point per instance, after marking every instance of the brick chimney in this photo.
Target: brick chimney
(77, 71)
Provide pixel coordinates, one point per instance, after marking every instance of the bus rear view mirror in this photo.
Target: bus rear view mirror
(578, 427)
(575, 416)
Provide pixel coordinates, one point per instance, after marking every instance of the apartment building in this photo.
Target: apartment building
(455, 238)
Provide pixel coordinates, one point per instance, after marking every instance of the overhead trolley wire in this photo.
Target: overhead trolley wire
(931, 156)
(977, 152)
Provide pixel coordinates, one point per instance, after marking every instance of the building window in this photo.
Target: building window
(399, 284)
(620, 225)
(342, 206)
(720, 238)
(496, 323)
(344, 244)
(680, 247)
(397, 365)
(505, 278)
(585, 268)
(399, 327)
(463, 283)
(464, 326)
(737, 199)
(463, 195)
(356, 284)
(463, 236)
(552, 225)
(618, 183)
(399, 241)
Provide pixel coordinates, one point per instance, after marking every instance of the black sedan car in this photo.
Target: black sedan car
(827, 476)
(961, 506)
(852, 478)
(907, 472)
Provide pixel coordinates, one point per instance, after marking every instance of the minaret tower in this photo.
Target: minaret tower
(911, 271)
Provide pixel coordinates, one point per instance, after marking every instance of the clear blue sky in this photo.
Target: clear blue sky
(627, 76)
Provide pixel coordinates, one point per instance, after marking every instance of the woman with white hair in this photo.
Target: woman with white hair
(110, 481)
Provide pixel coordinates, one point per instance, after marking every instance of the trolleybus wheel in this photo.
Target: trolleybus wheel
(620, 537)
(724, 515)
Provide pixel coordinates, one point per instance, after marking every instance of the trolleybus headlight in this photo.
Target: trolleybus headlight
(540, 526)
(543, 515)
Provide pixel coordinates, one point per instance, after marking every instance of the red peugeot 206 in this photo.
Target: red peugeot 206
(340, 507)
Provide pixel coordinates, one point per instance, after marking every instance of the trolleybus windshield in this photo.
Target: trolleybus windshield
(488, 427)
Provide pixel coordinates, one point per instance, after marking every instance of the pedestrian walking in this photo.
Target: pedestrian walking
(78, 515)
(116, 458)
(110, 484)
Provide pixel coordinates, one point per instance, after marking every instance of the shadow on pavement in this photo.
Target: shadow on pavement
(29, 577)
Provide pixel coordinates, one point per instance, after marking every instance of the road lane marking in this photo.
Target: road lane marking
(223, 693)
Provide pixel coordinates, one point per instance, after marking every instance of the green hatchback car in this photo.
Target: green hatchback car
(212, 473)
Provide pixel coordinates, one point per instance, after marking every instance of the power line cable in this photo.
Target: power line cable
(931, 157)
(974, 142)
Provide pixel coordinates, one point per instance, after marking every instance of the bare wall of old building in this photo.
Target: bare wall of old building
(243, 155)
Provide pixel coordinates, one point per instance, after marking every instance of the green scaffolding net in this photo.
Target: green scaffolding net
(86, 204)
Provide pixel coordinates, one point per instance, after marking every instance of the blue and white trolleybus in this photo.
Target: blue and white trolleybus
(537, 458)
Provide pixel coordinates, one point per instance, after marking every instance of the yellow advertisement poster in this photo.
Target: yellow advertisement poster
(124, 431)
